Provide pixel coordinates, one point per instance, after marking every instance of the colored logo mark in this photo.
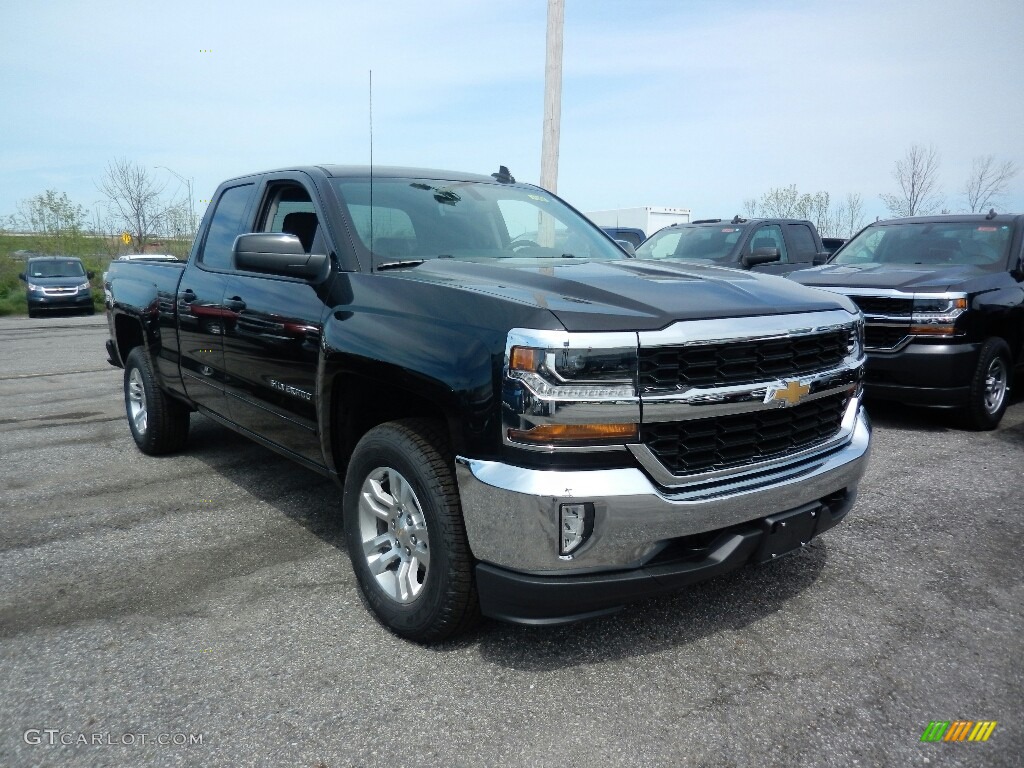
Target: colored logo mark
(791, 394)
(959, 730)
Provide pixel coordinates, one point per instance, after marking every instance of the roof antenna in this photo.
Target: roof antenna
(371, 170)
(991, 214)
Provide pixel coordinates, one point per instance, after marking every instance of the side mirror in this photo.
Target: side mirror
(821, 258)
(278, 254)
(21, 276)
(757, 256)
(90, 274)
(626, 246)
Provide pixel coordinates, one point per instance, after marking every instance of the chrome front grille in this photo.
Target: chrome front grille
(738, 440)
(722, 398)
(740, 362)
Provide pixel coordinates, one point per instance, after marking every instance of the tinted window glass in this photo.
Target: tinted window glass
(474, 221)
(942, 243)
(714, 243)
(803, 241)
(770, 236)
(58, 268)
(225, 227)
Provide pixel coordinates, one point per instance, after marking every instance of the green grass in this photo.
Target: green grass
(95, 253)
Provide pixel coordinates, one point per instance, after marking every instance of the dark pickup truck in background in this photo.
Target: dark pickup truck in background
(943, 297)
(776, 246)
(524, 422)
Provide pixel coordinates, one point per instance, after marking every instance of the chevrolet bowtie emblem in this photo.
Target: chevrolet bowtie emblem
(791, 394)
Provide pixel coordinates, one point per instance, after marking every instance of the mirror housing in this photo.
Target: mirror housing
(276, 253)
(760, 256)
(626, 246)
(21, 276)
(89, 275)
(821, 258)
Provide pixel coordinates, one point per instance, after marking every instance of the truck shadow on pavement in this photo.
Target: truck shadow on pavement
(889, 413)
(721, 605)
(709, 609)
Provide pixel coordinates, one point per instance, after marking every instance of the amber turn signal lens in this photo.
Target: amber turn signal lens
(932, 330)
(525, 359)
(573, 433)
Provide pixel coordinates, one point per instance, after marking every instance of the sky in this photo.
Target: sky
(700, 105)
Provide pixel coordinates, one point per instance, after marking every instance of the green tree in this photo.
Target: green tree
(58, 223)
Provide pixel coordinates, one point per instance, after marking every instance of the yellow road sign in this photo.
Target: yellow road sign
(126, 238)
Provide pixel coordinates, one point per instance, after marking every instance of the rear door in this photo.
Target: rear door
(202, 315)
(272, 347)
(803, 246)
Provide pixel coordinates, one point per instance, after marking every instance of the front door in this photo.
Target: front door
(272, 348)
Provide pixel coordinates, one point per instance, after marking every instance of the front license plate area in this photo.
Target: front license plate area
(787, 532)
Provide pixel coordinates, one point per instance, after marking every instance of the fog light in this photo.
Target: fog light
(575, 524)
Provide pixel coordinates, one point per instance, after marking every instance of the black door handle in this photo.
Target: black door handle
(187, 296)
(235, 304)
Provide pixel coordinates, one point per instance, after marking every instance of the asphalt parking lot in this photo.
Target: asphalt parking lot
(206, 597)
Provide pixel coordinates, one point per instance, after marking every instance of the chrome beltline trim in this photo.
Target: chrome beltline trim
(707, 402)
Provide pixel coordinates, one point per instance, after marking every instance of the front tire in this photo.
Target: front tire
(405, 534)
(158, 423)
(990, 386)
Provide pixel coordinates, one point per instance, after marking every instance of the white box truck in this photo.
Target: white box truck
(648, 218)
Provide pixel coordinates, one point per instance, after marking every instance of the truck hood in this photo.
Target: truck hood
(905, 277)
(628, 294)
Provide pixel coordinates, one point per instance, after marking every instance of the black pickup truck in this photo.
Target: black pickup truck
(775, 246)
(944, 301)
(523, 421)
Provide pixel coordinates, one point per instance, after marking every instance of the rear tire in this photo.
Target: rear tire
(990, 386)
(158, 422)
(405, 534)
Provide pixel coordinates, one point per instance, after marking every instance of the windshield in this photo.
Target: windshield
(702, 243)
(57, 268)
(946, 243)
(418, 219)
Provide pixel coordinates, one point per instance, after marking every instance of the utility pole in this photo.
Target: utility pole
(552, 96)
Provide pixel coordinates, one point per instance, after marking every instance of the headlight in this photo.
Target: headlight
(937, 316)
(570, 391)
(83, 287)
(34, 287)
(575, 374)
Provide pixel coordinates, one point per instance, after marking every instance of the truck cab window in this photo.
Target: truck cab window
(770, 236)
(289, 210)
(225, 226)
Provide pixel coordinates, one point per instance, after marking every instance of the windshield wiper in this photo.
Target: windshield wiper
(399, 264)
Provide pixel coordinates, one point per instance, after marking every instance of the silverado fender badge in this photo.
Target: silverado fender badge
(791, 393)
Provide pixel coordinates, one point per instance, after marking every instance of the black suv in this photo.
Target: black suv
(943, 297)
(57, 282)
(766, 245)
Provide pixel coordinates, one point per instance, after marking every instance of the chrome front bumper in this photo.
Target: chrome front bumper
(511, 513)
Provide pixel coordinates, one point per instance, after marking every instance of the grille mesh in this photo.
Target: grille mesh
(669, 368)
(724, 442)
(884, 336)
(884, 305)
